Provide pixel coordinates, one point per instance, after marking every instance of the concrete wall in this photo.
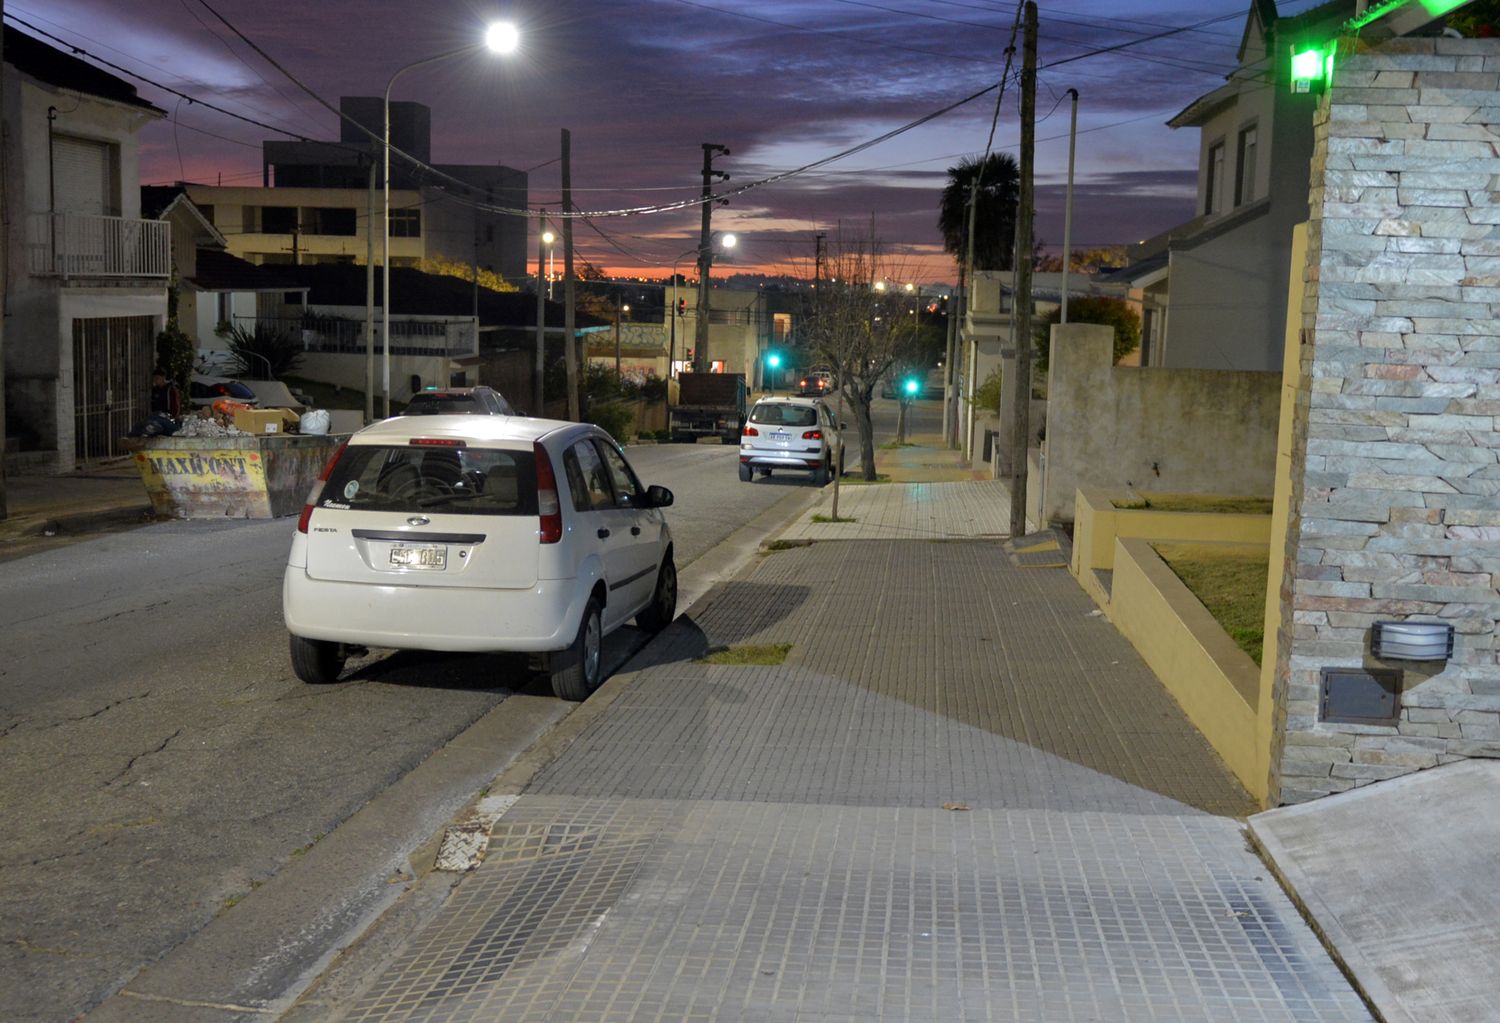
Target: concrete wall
(1151, 429)
(1394, 509)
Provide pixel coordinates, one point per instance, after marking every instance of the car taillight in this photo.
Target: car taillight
(549, 509)
(750, 431)
(813, 435)
(317, 488)
(436, 442)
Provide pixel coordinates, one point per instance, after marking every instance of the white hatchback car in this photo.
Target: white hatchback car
(797, 434)
(478, 533)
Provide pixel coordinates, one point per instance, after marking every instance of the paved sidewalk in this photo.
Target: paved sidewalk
(961, 797)
(909, 511)
(104, 494)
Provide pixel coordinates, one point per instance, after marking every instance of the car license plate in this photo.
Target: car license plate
(420, 556)
(781, 437)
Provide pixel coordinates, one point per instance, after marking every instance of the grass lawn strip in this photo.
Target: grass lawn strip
(1230, 582)
(749, 654)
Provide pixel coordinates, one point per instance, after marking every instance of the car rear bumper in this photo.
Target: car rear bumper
(464, 619)
(806, 461)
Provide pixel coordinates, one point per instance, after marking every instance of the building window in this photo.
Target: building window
(1244, 167)
(406, 223)
(1213, 196)
(329, 220)
(276, 219)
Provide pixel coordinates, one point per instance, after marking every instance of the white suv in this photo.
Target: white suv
(797, 434)
(478, 533)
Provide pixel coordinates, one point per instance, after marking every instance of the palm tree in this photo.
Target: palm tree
(995, 229)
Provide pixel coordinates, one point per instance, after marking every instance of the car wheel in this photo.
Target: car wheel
(575, 671)
(820, 474)
(746, 473)
(663, 607)
(317, 661)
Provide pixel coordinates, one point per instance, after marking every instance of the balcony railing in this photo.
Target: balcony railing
(89, 245)
(454, 338)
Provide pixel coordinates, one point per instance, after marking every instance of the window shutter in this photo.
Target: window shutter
(81, 176)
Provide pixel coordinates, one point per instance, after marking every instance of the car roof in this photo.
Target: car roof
(465, 427)
(435, 391)
(790, 399)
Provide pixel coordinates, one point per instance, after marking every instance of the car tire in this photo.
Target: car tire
(663, 607)
(747, 475)
(317, 661)
(820, 474)
(575, 671)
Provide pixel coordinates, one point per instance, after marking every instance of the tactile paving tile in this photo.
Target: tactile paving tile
(604, 910)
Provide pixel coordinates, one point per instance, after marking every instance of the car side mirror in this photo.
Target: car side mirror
(658, 497)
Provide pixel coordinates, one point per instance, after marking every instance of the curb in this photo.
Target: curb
(74, 522)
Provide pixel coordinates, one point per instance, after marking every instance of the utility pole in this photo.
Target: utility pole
(950, 375)
(4, 286)
(619, 312)
(818, 240)
(570, 345)
(538, 393)
(701, 362)
(1021, 316)
(1068, 208)
(370, 299)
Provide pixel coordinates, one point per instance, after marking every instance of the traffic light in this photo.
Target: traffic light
(689, 356)
(682, 307)
(773, 359)
(910, 387)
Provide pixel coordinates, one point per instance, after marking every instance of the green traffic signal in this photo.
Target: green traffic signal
(911, 386)
(774, 360)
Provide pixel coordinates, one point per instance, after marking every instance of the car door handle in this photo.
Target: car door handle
(635, 530)
(604, 534)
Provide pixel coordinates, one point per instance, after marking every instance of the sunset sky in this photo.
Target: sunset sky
(641, 83)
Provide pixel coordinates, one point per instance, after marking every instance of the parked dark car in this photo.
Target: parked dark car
(481, 401)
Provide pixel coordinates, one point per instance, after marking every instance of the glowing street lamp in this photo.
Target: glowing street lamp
(501, 38)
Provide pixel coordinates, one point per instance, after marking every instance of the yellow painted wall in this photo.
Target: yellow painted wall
(1098, 523)
(1191, 654)
(1291, 372)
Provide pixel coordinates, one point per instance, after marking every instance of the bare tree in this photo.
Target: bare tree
(863, 324)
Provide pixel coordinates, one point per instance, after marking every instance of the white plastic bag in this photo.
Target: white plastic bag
(315, 422)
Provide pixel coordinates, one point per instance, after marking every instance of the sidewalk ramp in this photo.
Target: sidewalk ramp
(1403, 880)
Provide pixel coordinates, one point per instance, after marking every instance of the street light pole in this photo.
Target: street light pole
(501, 37)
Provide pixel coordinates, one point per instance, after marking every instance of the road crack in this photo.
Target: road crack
(132, 762)
(102, 710)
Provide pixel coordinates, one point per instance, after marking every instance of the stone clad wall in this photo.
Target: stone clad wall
(1395, 513)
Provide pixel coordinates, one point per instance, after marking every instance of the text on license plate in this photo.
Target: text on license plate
(430, 556)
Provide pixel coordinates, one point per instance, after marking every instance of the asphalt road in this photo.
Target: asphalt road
(161, 760)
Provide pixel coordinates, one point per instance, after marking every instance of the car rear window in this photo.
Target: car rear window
(443, 405)
(784, 415)
(450, 480)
